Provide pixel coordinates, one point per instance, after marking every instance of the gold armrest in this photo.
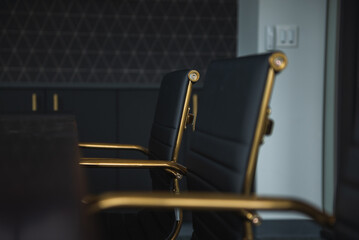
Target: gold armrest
(205, 201)
(172, 167)
(115, 146)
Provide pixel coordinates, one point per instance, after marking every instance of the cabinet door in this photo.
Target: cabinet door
(22, 101)
(95, 112)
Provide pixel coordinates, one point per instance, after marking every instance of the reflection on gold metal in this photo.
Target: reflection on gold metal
(251, 216)
(115, 146)
(171, 167)
(205, 201)
(195, 110)
(56, 102)
(34, 102)
(278, 61)
(193, 75)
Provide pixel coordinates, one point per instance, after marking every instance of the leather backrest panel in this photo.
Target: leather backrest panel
(166, 124)
(221, 145)
(168, 114)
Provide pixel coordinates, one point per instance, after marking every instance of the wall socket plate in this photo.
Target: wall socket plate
(286, 36)
(281, 36)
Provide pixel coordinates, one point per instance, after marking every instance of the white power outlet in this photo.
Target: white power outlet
(286, 36)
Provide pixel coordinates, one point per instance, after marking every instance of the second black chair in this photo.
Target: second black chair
(171, 116)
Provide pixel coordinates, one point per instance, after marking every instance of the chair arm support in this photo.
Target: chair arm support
(115, 146)
(172, 167)
(206, 201)
(251, 216)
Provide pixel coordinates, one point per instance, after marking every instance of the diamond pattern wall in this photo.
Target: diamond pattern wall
(111, 41)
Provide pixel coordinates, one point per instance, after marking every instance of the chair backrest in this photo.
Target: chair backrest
(169, 122)
(232, 119)
(171, 115)
(40, 179)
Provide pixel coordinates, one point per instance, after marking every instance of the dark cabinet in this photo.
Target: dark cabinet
(22, 101)
(96, 117)
(95, 110)
(102, 115)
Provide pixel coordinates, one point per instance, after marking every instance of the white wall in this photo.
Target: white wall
(290, 161)
(248, 27)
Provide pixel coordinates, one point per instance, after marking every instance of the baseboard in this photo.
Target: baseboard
(275, 230)
(287, 229)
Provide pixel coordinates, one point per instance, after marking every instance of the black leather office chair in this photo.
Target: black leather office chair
(40, 180)
(232, 121)
(231, 124)
(171, 116)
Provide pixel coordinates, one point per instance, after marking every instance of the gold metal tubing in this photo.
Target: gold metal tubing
(277, 62)
(257, 140)
(204, 201)
(193, 77)
(172, 167)
(248, 230)
(262, 118)
(182, 123)
(177, 229)
(258, 133)
(115, 146)
(34, 102)
(56, 102)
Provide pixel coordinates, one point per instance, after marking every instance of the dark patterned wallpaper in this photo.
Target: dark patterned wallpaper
(111, 41)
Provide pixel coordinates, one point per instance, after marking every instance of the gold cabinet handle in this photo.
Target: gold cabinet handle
(34, 102)
(55, 102)
(195, 110)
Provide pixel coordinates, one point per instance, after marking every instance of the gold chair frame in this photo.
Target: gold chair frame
(206, 201)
